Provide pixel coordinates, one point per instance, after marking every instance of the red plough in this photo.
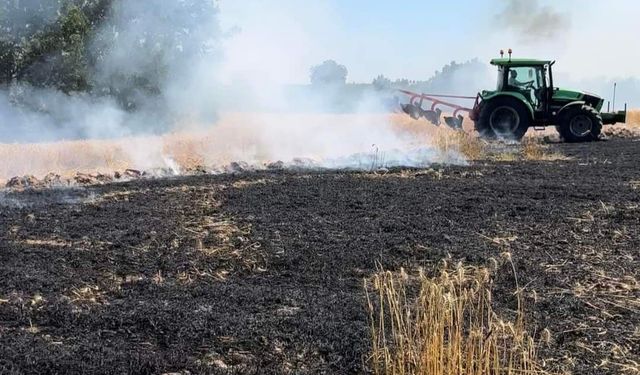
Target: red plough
(415, 108)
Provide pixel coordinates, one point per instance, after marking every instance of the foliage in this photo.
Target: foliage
(117, 48)
(329, 73)
(381, 83)
(45, 43)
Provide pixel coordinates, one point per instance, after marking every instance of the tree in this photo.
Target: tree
(46, 43)
(7, 61)
(381, 83)
(329, 73)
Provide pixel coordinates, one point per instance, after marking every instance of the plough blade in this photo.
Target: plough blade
(433, 116)
(415, 111)
(412, 110)
(454, 122)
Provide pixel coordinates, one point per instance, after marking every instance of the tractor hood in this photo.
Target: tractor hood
(566, 95)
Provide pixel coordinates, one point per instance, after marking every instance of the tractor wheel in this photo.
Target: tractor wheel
(580, 124)
(503, 118)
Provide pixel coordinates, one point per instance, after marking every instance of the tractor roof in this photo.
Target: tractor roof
(505, 61)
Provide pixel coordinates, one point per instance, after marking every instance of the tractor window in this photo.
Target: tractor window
(545, 74)
(500, 85)
(524, 78)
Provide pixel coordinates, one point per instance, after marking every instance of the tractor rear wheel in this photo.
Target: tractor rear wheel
(580, 124)
(503, 118)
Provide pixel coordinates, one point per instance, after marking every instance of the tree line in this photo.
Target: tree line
(452, 76)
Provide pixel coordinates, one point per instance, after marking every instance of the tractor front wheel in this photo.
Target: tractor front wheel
(503, 118)
(580, 124)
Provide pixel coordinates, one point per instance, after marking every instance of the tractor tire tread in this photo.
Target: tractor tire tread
(596, 130)
(483, 127)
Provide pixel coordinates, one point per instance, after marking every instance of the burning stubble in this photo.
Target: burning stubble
(189, 119)
(364, 142)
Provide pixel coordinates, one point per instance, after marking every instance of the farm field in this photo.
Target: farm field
(262, 271)
(306, 187)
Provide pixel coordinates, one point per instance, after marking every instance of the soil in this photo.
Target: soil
(262, 272)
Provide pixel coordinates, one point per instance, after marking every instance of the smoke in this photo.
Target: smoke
(466, 79)
(532, 21)
(162, 57)
(49, 115)
(162, 66)
(152, 67)
(23, 18)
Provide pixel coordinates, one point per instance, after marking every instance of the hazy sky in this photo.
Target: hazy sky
(281, 39)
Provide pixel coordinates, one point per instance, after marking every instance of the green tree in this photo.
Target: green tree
(381, 83)
(45, 43)
(73, 69)
(7, 60)
(328, 73)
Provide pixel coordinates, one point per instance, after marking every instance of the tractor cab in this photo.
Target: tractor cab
(530, 78)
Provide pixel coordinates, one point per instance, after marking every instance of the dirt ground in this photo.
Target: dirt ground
(263, 272)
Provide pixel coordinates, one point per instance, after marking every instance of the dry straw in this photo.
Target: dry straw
(633, 118)
(444, 325)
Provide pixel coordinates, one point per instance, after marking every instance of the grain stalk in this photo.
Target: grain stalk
(444, 325)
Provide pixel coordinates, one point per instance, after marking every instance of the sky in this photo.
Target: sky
(282, 39)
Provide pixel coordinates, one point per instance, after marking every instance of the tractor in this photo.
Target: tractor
(525, 97)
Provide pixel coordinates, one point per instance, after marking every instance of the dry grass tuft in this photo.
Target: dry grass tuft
(472, 147)
(443, 138)
(633, 118)
(532, 149)
(88, 295)
(241, 184)
(631, 129)
(444, 325)
(505, 156)
(47, 242)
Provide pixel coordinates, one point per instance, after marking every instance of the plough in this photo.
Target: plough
(416, 102)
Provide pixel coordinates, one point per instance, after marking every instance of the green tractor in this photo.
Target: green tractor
(525, 97)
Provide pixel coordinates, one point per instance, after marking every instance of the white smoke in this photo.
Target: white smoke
(172, 43)
(23, 18)
(155, 65)
(273, 45)
(169, 66)
(49, 115)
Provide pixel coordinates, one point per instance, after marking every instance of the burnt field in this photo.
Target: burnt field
(263, 272)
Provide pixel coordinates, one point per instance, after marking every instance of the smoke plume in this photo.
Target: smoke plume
(167, 66)
(149, 66)
(24, 18)
(532, 21)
